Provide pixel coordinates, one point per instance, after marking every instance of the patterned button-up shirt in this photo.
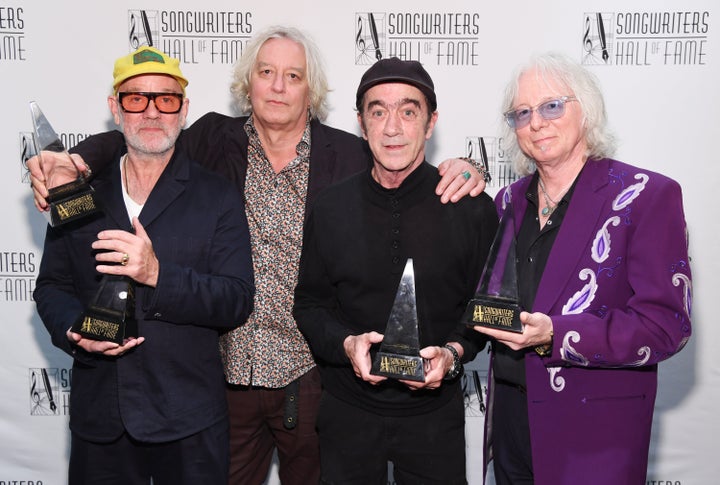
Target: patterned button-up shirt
(269, 350)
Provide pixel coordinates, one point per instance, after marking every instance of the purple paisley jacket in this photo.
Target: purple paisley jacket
(617, 286)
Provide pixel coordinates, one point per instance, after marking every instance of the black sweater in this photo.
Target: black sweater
(358, 237)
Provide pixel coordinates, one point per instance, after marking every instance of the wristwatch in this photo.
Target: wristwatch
(546, 349)
(456, 368)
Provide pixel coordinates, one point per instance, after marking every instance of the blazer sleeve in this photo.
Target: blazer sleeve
(55, 292)
(99, 150)
(199, 141)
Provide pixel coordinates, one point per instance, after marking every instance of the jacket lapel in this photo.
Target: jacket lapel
(111, 198)
(169, 186)
(572, 248)
(320, 149)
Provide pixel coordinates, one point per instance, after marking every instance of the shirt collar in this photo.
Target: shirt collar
(302, 148)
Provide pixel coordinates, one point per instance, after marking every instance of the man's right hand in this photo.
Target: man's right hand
(357, 348)
(52, 169)
(100, 347)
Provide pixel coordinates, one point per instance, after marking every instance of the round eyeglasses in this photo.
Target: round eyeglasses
(549, 110)
(137, 102)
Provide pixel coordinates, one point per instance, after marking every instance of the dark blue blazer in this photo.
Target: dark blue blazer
(172, 385)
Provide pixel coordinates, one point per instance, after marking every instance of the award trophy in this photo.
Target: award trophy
(74, 198)
(495, 304)
(399, 354)
(111, 315)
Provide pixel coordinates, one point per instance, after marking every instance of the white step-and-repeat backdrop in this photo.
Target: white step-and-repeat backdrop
(658, 62)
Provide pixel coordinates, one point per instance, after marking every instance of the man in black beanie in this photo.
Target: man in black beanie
(359, 236)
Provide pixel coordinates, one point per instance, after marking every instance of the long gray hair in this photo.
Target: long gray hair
(558, 69)
(317, 82)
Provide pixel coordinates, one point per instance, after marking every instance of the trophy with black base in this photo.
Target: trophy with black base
(495, 304)
(111, 315)
(71, 197)
(399, 353)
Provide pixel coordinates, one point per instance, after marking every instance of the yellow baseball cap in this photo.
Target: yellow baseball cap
(146, 60)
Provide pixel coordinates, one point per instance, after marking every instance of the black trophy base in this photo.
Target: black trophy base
(398, 366)
(71, 201)
(106, 325)
(493, 312)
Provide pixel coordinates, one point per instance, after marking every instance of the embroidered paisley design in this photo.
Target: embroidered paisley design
(583, 297)
(682, 279)
(644, 352)
(568, 353)
(556, 382)
(601, 245)
(629, 194)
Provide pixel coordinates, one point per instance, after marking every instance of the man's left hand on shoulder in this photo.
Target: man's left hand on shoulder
(460, 177)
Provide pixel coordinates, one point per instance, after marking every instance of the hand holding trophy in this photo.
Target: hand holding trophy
(110, 316)
(70, 196)
(495, 304)
(399, 354)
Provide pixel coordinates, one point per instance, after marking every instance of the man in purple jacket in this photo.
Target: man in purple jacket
(603, 272)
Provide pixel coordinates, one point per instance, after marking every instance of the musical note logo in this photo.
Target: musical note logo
(369, 37)
(43, 391)
(143, 30)
(597, 41)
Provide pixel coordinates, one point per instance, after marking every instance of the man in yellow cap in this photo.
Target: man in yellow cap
(152, 407)
(144, 60)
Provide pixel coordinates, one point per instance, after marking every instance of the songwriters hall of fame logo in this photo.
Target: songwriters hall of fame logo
(49, 391)
(439, 38)
(192, 36)
(597, 38)
(670, 38)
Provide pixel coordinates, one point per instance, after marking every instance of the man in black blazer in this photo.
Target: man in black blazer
(152, 406)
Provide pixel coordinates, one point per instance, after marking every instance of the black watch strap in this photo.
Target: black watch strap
(456, 367)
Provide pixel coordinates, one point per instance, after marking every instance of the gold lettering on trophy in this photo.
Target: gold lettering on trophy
(77, 206)
(398, 365)
(62, 212)
(101, 328)
(493, 315)
(478, 314)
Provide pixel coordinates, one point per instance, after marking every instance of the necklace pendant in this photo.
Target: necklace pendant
(545, 211)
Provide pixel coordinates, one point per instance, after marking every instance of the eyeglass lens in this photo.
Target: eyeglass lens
(549, 110)
(168, 103)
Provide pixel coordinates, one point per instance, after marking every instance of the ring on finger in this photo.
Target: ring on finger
(125, 259)
(466, 175)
